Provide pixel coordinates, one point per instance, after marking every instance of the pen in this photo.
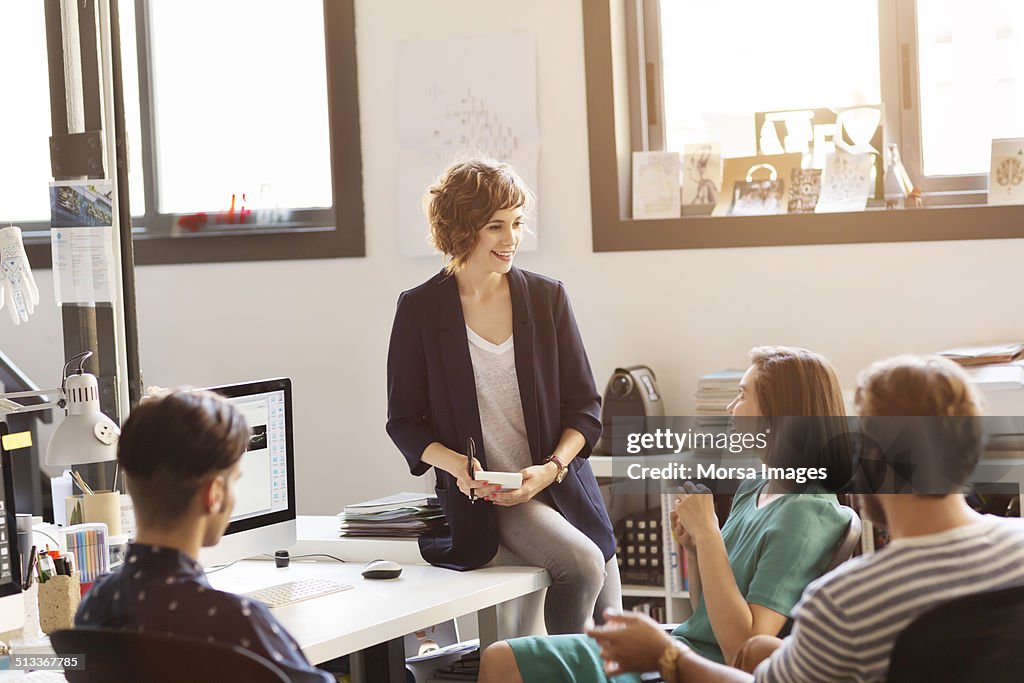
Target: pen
(81, 483)
(31, 569)
(470, 457)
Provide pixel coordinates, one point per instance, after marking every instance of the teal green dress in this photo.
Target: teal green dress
(774, 552)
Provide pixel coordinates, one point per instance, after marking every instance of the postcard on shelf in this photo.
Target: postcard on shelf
(702, 173)
(656, 185)
(761, 193)
(749, 188)
(846, 182)
(804, 189)
(1006, 179)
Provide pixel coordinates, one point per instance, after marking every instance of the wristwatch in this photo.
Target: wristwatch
(667, 663)
(562, 469)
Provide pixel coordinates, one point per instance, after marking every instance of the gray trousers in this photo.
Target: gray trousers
(582, 583)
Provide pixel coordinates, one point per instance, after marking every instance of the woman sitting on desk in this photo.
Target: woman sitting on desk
(747, 577)
(486, 357)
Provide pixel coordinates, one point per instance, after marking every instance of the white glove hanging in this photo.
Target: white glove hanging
(18, 289)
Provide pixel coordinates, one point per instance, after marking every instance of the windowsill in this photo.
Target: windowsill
(140, 234)
(872, 225)
(277, 243)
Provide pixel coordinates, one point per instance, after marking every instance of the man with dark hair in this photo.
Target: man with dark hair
(180, 454)
(847, 621)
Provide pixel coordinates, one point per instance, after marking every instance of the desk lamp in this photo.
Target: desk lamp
(86, 435)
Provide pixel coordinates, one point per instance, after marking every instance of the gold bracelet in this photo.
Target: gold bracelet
(667, 663)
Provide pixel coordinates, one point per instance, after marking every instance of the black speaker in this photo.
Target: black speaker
(631, 392)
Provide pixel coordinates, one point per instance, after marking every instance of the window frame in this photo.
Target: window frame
(616, 90)
(333, 232)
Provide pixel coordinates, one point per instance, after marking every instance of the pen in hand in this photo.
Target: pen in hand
(470, 459)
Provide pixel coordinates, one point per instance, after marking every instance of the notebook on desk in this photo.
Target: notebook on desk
(389, 503)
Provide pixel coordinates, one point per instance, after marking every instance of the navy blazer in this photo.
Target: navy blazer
(432, 397)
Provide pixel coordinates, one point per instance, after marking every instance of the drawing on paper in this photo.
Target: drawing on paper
(656, 185)
(804, 190)
(702, 173)
(461, 97)
(845, 182)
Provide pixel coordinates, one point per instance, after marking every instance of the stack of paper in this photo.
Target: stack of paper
(714, 394)
(392, 502)
(403, 515)
(986, 354)
(466, 669)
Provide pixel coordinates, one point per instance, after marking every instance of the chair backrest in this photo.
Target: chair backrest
(848, 543)
(976, 637)
(112, 656)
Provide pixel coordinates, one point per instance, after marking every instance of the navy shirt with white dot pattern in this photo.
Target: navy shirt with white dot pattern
(162, 590)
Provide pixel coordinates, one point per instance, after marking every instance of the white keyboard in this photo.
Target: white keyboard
(297, 591)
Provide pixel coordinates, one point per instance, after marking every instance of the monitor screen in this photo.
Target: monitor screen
(263, 486)
(264, 516)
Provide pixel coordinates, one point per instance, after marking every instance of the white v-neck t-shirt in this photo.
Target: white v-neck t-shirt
(506, 445)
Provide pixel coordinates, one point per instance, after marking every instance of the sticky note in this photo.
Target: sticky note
(17, 440)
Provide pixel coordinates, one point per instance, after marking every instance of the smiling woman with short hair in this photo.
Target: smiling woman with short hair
(486, 358)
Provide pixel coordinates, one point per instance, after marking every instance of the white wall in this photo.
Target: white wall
(326, 323)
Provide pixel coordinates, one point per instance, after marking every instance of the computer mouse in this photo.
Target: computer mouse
(381, 569)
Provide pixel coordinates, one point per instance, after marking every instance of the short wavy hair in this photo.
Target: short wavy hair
(924, 405)
(464, 198)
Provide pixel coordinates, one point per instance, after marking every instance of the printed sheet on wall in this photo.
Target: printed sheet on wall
(457, 97)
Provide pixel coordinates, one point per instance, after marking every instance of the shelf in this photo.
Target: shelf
(635, 591)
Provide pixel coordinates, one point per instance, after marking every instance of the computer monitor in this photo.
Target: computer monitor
(264, 516)
(12, 604)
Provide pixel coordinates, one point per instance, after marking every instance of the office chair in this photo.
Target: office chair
(975, 637)
(843, 551)
(115, 656)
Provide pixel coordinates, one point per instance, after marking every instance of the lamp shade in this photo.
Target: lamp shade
(86, 434)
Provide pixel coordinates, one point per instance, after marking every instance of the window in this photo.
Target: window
(242, 129)
(943, 78)
(25, 156)
(247, 114)
(971, 81)
(720, 66)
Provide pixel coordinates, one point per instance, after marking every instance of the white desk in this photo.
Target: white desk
(377, 611)
(381, 612)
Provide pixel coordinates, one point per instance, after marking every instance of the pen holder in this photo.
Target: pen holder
(58, 602)
(101, 506)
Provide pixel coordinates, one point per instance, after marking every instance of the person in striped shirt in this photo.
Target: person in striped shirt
(847, 621)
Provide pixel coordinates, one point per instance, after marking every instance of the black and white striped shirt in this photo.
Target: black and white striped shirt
(847, 621)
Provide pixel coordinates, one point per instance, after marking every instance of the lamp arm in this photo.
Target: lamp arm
(8, 405)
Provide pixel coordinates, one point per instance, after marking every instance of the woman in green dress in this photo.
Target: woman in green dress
(746, 578)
